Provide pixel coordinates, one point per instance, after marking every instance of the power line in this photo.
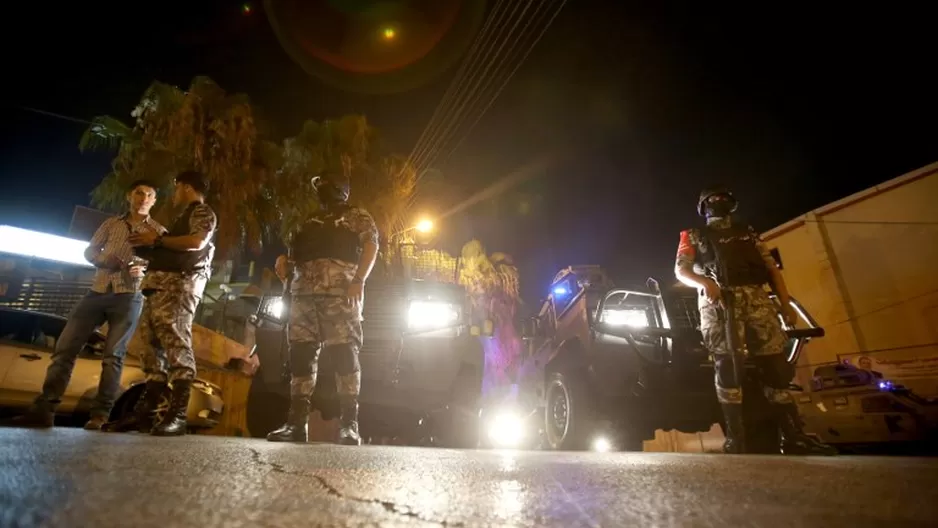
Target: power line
(872, 352)
(872, 222)
(506, 81)
(455, 84)
(472, 98)
(476, 82)
(431, 156)
(886, 307)
(53, 114)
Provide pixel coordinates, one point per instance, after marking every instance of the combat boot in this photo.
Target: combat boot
(174, 423)
(296, 429)
(40, 415)
(794, 439)
(735, 443)
(141, 418)
(348, 421)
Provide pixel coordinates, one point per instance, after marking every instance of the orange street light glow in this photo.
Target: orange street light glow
(389, 33)
(425, 226)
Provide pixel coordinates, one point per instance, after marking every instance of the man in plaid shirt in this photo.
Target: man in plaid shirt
(114, 298)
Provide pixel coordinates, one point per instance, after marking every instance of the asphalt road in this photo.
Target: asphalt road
(71, 477)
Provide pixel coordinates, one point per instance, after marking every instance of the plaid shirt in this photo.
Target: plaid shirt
(111, 239)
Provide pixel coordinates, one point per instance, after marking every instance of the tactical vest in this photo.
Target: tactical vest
(327, 236)
(165, 259)
(730, 257)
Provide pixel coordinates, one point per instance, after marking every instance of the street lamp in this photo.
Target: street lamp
(425, 225)
(389, 33)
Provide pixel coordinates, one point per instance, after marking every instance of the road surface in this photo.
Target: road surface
(71, 477)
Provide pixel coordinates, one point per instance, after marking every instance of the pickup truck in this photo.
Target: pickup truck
(605, 367)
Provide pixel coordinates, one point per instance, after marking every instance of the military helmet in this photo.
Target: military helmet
(714, 191)
(332, 185)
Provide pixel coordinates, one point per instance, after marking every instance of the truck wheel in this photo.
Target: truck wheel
(568, 414)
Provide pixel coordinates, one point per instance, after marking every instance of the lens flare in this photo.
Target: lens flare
(347, 44)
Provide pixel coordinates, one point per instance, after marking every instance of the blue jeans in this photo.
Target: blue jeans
(121, 311)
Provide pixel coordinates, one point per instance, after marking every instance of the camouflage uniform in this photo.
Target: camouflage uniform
(758, 328)
(163, 340)
(759, 333)
(322, 317)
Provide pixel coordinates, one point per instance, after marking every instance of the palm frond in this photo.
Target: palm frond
(104, 132)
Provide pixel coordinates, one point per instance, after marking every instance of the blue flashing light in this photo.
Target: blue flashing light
(560, 290)
(886, 385)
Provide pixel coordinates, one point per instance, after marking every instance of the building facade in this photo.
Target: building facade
(865, 268)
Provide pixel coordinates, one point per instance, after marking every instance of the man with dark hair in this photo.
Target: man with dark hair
(731, 268)
(114, 298)
(333, 254)
(179, 267)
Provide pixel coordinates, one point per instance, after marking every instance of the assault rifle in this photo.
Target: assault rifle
(286, 300)
(728, 300)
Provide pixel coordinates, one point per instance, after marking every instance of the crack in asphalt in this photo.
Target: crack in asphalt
(389, 506)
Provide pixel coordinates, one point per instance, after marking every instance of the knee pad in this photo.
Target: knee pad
(345, 357)
(303, 358)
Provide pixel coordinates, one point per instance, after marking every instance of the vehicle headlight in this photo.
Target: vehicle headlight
(274, 308)
(601, 444)
(628, 317)
(431, 314)
(506, 429)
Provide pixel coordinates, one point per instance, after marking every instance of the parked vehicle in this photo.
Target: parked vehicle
(422, 364)
(27, 340)
(605, 367)
(857, 410)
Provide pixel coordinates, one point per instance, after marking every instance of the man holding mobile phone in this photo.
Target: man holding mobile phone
(114, 298)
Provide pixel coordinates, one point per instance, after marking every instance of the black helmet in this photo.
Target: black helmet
(714, 191)
(331, 188)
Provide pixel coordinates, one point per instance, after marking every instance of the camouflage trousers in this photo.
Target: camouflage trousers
(761, 343)
(331, 325)
(163, 340)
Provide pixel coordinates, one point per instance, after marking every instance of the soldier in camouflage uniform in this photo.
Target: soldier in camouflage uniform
(179, 266)
(725, 259)
(332, 255)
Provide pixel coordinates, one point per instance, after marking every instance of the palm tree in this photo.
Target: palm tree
(202, 128)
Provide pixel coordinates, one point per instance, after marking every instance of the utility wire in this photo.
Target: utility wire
(53, 114)
(478, 86)
(505, 82)
(456, 83)
(461, 84)
(872, 222)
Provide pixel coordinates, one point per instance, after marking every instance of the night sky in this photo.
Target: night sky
(624, 110)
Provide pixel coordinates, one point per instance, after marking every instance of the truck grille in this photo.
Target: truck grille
(384, 312)
(50, 296)
(684, 314)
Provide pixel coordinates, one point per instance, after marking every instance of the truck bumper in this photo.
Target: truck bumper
(424, 377)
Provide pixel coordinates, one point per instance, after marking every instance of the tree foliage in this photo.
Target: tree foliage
(492, 282)
(201, 128)
(260, 188)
